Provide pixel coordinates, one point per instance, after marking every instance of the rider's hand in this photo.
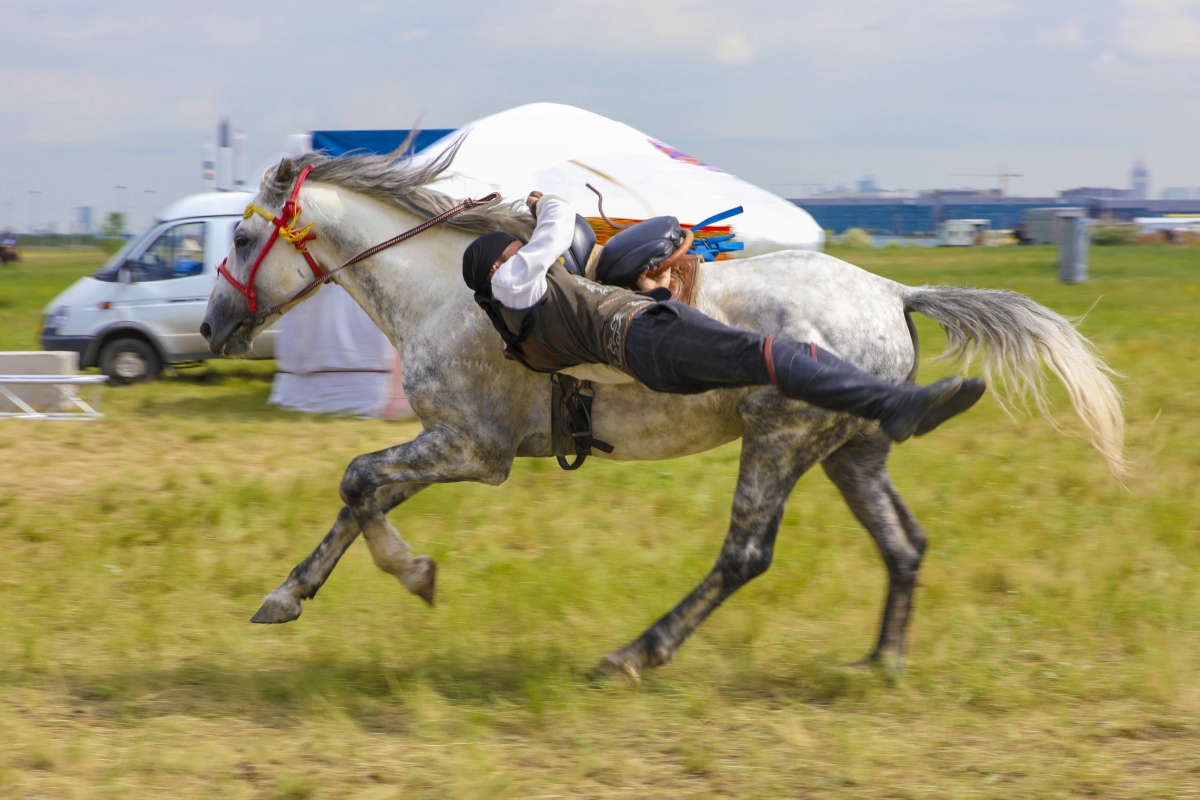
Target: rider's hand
(532, 200)
(651, 280)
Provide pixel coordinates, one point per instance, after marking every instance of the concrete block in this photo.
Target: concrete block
(37, 362)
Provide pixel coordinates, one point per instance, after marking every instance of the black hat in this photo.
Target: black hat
(479, 257)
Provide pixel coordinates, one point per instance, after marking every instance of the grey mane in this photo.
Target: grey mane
(394, 179)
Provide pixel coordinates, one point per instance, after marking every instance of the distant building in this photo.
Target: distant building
(1139, 182)
(921, 215)
(1176, 193)
(83, 220)
(1086, 193)
(867, 185)
(960, 193)
(1044, 225)
(963, 232)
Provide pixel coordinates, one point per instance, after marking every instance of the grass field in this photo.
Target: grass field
(1055, 650)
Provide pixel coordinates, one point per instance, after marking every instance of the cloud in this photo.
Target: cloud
(1162, 30)
(734, 50)
(821, 90)
(610, 25)
(1065, 37)
(63, 107)
(736, 33)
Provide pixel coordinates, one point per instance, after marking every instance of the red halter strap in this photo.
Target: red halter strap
(291, 210)
(283, 227)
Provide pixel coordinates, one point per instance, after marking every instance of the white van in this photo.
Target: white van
(143, 309)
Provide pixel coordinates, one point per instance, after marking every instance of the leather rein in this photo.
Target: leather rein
(285, 229)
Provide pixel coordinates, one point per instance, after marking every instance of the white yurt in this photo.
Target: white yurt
(560, 149)
(351, 368)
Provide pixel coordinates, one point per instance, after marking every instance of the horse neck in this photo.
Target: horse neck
(402, 287)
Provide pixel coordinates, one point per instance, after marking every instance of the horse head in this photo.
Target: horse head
(257, 279)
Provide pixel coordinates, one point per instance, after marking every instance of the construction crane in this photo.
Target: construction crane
(1003, 175)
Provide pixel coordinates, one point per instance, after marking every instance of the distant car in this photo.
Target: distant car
(143, 309)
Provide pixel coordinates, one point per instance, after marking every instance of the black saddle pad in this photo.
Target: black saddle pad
(636, 249)
(577, 255)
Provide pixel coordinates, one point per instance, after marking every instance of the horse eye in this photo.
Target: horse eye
(241, 239)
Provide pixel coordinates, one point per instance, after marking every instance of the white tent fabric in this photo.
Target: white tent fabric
(333, 359)
(558, 149)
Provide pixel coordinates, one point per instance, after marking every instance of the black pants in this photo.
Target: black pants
(675, 348)
(672, 347)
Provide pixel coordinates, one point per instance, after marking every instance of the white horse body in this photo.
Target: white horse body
(480, 411)
(415, 294)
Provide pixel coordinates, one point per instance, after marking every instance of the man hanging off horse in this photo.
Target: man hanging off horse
(552, 320)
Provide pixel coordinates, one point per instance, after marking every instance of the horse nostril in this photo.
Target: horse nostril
(206, 331)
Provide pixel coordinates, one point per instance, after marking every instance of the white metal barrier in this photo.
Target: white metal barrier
(70, 403)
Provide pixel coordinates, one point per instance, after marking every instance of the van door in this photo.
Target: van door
(170, 287)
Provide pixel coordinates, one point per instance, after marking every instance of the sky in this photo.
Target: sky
(788, 94)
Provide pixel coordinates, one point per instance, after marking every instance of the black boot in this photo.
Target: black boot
(804, 372)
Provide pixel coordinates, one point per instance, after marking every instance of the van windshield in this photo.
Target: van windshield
(110, 269)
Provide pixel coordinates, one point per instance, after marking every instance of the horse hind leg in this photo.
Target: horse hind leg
(859, 470)
(772, 461)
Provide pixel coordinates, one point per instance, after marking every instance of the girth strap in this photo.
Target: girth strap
(571, 421)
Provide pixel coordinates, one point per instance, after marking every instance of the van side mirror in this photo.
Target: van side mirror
(126, 273)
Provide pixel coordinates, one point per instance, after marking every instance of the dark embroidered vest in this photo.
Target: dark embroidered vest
(579, 322)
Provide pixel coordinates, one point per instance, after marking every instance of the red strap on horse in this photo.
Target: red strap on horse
(284, 229)
(283, 226)
(771, 362)
(769, 356)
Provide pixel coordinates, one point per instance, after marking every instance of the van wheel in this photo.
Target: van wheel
(127, 361)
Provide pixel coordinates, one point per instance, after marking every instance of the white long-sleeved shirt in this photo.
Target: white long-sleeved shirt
(521, 281)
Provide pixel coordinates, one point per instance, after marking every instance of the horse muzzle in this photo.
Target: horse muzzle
(225, 330)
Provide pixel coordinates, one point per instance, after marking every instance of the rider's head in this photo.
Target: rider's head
(484, 256)
(508, 253)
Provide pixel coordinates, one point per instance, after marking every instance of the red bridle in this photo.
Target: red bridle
(283, 228)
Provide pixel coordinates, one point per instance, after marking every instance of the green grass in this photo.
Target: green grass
(28, 285)
(1054, 650)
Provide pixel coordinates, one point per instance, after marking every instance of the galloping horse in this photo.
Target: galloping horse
(480, 411)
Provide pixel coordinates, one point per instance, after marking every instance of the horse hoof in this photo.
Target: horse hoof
(616, 667)
(276, 610)
(890, 666)
(863, 665)
(424, 584)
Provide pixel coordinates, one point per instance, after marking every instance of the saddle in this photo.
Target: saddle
(656, 243)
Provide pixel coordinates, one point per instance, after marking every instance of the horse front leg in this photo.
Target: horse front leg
(440, 456)
(287, 602)
(433, 458)
(859, 470)
(771, 463)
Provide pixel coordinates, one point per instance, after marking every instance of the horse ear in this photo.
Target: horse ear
(285, 173)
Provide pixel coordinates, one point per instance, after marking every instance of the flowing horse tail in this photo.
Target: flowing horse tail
(1016, 335)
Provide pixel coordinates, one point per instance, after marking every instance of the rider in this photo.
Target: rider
(554, 321)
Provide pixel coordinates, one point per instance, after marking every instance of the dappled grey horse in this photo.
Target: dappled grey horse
(480, 411)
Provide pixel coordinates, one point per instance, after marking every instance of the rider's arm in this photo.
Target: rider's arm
(521, 281)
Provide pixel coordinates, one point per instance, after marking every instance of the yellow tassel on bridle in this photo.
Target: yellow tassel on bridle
(295, 237)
